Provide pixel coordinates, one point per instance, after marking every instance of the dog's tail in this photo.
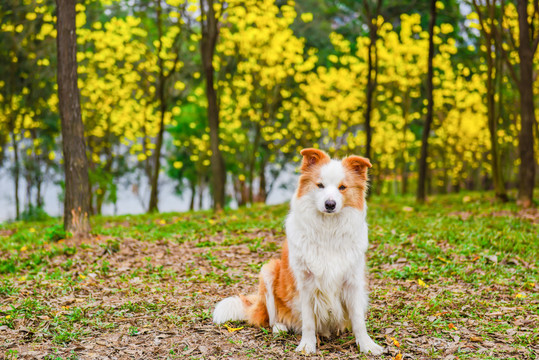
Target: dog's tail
(250, 308)
(229, 309)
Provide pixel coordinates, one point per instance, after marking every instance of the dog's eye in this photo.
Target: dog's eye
(342, 187)
(320, 185)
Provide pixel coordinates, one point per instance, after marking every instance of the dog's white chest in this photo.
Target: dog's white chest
(326, 256)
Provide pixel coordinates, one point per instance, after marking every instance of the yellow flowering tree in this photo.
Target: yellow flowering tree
(261, 58)
(28, 125)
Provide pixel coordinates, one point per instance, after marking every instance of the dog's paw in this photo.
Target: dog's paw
(278, 327)
(370, 346)
(306, 347)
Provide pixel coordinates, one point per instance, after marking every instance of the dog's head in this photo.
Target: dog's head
(332, 184)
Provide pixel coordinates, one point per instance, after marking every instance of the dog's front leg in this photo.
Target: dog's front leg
(307, 344)
(357, 302)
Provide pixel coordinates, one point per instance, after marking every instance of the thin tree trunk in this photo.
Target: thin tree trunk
(372, 72)
(99, 202)
(368, 111)
(37, 177)
(16, 175)
(527, 109)
(193, 189)
(210, 31)
(253, 162)
(91, 169)
(200, 193)
(262, 194)
(76, 204)
(430, 106)
(489, 33)
(499, 187)
(39, 199)
(243, 193)
(29, 185)
(404, 170)
(154, 193)
(497, 176)
(429, 182)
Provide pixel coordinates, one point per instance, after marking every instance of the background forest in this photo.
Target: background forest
(218, 97)
(350, 77)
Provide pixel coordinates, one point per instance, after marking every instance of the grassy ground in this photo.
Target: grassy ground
(456, 278)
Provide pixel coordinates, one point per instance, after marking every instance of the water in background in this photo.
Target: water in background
(128, 202)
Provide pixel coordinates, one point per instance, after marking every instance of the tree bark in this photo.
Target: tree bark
(16, 175)
(499, 187)
(497, 176)
(39, 199)
(430, 106)
(210, 32)
(76, 203)
(154, 193)
(491, 38)
(252, 162)
(200, 193)
(262, 194)
(527, 109)
(193, 188)
(372, 71)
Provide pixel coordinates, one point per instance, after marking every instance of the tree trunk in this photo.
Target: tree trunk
(368, 111)
(489, 33)
(154, 193)
(404, 170)
(16, 175)
(497, 177)
(193, 187)
(200, 193)
(499, 187)
(372, 71)
(252, 162)
(29, 185)
(527, 109)
(76, 203)
(262, 194)
(428, 121)
(210, 31)
(99, 202)
(39, 199)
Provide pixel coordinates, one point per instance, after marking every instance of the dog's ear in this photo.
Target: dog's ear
(313, 157)
(357, 164)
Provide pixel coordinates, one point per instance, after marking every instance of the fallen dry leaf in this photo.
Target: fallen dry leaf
(442, 259)
(233, 329)
(441, 313)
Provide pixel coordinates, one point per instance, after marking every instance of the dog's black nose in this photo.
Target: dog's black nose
(330, 205)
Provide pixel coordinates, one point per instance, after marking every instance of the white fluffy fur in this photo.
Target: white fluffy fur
(229, 309)
(327, 257)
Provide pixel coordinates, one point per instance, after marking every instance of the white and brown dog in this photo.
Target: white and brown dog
(318, 285)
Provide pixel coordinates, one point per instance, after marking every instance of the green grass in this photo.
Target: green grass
(456, 265)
